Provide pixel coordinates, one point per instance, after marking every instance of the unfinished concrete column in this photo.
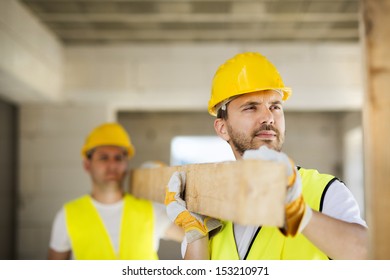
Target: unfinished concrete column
(376, 120)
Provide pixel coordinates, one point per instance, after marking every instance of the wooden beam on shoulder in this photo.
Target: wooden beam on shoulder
(248, 192)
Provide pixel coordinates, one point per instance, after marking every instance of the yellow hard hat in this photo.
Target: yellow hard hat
(108, 134)
(245, 73)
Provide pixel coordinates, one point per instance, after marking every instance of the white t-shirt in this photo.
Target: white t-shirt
(338, 203)
(111, 215)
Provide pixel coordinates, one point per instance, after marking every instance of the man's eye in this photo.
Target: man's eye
(248, 108)
(119, 158)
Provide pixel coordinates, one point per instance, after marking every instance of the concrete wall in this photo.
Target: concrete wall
(8, 179)
(353, 160)
(50, 170)
(30, 57)
(178, 76)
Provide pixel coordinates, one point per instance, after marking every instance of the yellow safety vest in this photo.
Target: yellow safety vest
(270, 243)
(91, 241)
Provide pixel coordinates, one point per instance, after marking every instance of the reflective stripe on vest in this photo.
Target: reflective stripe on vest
(90, 239)
(270, 243)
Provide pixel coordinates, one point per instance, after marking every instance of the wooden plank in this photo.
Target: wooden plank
(249, 192)
(376, 125)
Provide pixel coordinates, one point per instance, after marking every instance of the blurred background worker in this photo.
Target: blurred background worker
(109, 223)
(322, 218)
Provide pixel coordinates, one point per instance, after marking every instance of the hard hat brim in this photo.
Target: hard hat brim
(286, 95)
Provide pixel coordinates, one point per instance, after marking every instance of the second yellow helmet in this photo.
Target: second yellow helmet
(108, 134)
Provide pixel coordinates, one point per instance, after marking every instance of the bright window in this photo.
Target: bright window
(199, 149)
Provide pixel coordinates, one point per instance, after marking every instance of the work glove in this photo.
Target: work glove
(297, 212)
(195, 225)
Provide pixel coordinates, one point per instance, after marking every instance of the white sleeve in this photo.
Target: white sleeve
(183, 247)
(161, 222)
(59, 239)
(340, 203)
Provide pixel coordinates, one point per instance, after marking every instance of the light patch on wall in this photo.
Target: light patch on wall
(199, 149)
(353, 165)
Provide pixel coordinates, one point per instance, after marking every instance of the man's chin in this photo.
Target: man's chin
(270, 144)
(112, 182)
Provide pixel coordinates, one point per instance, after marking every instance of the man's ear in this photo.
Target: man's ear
(221, 129)
(87, 164)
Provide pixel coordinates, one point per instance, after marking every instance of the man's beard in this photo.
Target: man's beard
(105, 183)
(241, 142)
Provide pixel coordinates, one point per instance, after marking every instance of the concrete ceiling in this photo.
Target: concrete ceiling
(81, 22)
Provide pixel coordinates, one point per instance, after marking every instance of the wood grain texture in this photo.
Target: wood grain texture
(249, 192)
(376, 125)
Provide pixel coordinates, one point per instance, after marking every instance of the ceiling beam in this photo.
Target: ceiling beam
(176, 1)
(133, 35)
(200, 18)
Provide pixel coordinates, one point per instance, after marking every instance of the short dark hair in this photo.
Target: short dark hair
(89, 153)
(222, 114)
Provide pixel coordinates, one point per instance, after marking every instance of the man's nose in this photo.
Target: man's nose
(113, 163)
(266, 116)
